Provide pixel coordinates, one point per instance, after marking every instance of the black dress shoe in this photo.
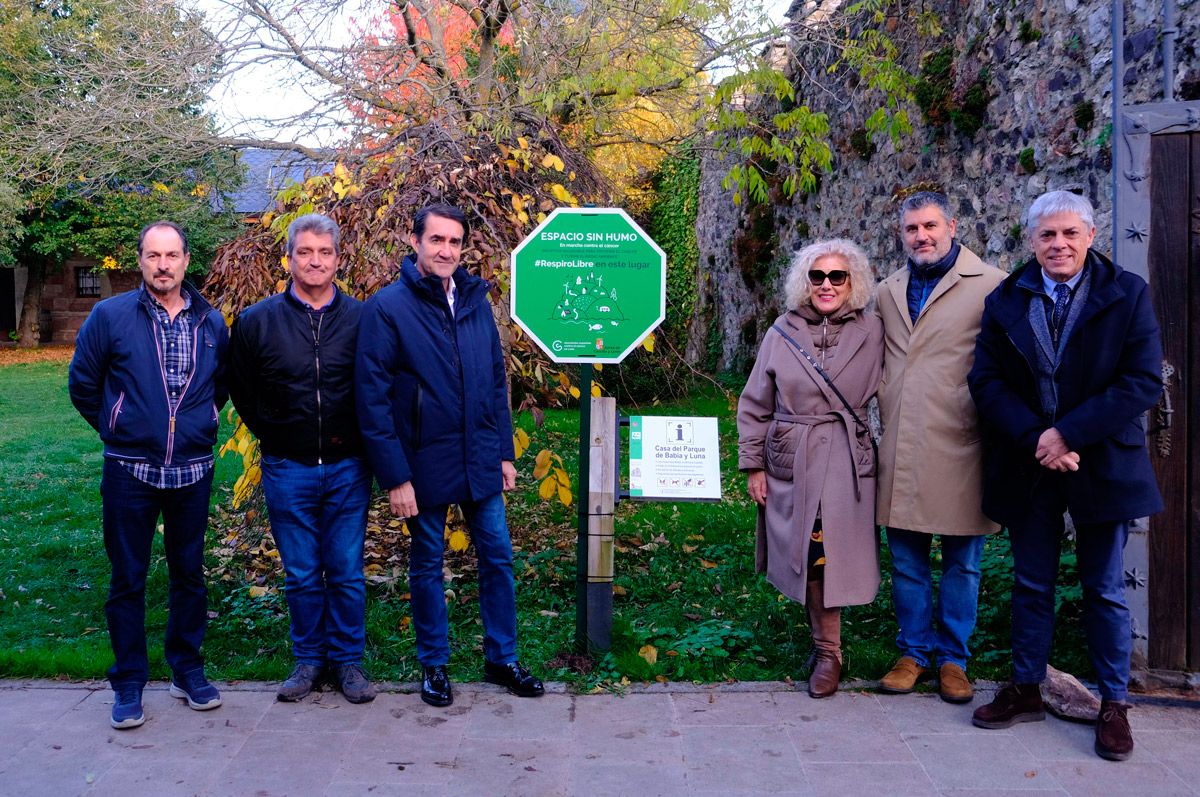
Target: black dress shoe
(435, 687)
(514, 678)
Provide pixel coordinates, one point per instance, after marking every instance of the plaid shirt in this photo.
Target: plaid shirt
(175, 347)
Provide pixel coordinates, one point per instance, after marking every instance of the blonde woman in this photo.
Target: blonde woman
(806, 450)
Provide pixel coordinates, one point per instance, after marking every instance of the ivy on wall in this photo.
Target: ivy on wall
(673, 227)
(941, 102)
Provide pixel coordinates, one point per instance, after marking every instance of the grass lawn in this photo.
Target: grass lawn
(688, 604)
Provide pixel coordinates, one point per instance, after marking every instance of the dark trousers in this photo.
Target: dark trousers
(1099, 549)
(131, 512)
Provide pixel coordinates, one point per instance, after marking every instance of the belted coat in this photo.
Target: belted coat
(793, 426)
(931, 457)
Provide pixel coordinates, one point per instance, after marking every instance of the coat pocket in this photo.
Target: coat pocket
(782, 440)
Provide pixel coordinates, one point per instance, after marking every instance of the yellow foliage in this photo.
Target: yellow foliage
(520, 442)
(649, 653)
(258, 592)
(574, 392)
(547, 487)
(648, 342)
(564, 495)
(551, 161)
(563, 195)
(596, 390)
(458, 541)
(541, 464)
(629, 165)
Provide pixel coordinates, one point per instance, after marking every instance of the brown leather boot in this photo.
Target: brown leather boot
(1012, 704)
(1114, 740)
(826, 624)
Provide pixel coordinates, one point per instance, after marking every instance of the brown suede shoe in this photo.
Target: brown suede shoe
(903, 676)
(1012, 704)
(1114, 740)
(953, 685)
(827, 672)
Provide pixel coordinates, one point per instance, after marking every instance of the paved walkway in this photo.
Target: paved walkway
(741, 739)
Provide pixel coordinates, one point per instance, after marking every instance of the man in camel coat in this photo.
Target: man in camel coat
(930, 458)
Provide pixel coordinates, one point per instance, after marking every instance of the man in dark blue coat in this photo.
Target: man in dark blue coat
(1067, 362)
(432, 396)
(149, 375)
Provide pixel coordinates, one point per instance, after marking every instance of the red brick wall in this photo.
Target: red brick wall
(67, 310)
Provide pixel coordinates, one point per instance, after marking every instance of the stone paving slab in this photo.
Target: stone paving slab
(739, 739)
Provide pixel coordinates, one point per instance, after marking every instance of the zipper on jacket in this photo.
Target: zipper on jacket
(315, 328)
(116, 410)
(824, 337)
(166, 390)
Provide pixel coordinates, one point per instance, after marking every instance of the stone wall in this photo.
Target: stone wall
(1047, 125)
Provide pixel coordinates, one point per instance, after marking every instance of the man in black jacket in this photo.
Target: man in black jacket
(291, 374)
(1066, 363)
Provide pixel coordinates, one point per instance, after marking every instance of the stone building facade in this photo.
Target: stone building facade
(1045, 68)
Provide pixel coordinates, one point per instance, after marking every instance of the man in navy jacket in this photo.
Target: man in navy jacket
(432, 397)
(149, 375)
(1066, 363)
(291, 376)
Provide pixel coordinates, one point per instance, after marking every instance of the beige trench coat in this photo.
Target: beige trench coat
(794, 427)
(930, 457)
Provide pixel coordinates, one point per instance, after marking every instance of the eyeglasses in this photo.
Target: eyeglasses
(836, 278)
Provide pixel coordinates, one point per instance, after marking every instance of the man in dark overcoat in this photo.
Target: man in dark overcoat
(1067, 362)
(432, 396)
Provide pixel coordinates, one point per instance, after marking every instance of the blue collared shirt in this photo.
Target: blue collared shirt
(1048, 283)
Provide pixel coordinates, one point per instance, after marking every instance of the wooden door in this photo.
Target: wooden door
(1174, 265)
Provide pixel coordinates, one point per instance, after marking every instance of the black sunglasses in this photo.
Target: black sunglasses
(835, 278)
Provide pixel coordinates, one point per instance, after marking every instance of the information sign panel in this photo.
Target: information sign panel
(674, 458)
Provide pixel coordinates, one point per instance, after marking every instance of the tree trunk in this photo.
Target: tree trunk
(29, 330)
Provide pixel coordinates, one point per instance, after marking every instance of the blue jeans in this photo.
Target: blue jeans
(318, 518)
(912, 596)
(131, 511)
(497, 594)
(1099, 554)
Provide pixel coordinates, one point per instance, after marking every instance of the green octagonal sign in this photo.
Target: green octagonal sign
(588, 285)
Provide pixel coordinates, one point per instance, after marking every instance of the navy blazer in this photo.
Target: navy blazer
(1108, 376)
(432, 389)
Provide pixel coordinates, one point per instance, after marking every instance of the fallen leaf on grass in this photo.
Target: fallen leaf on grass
(649, 653)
